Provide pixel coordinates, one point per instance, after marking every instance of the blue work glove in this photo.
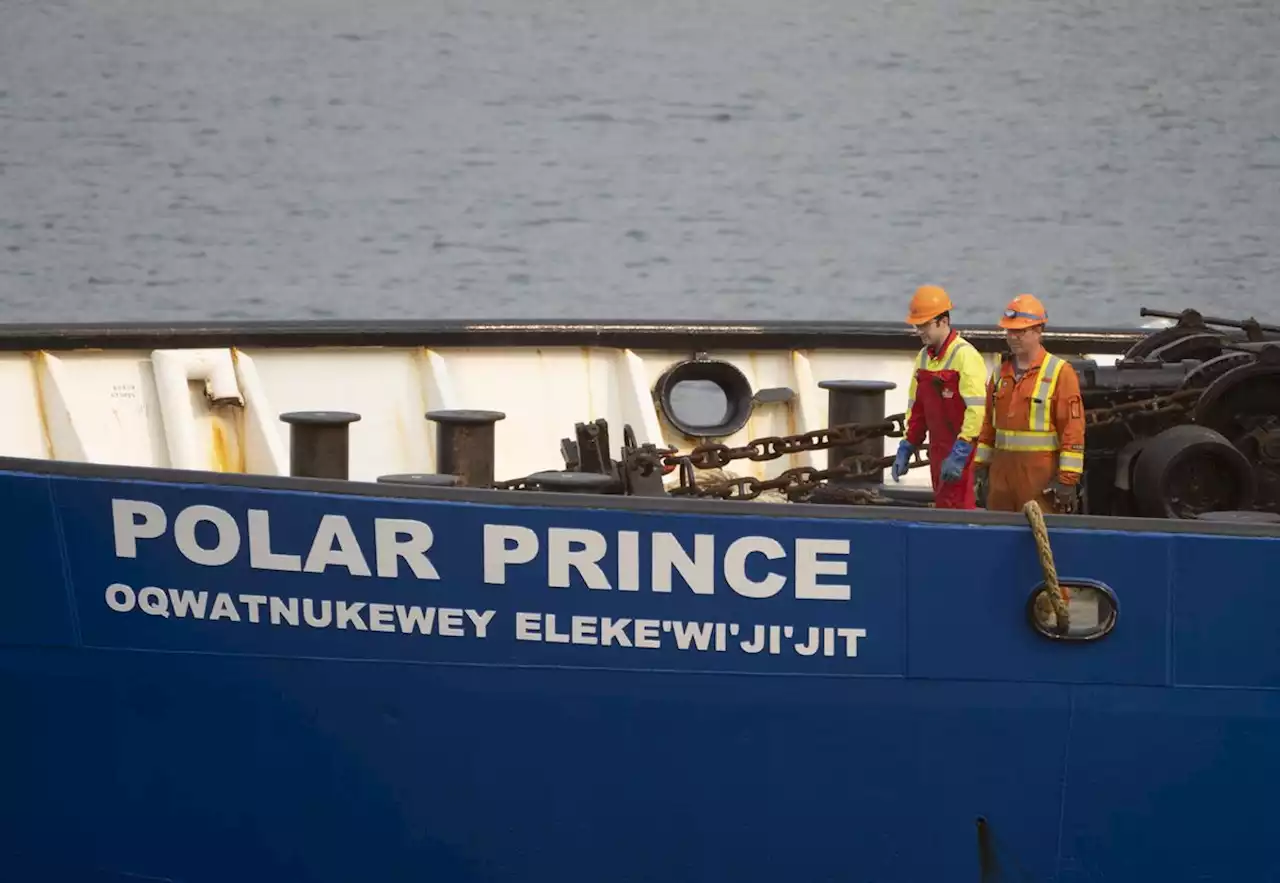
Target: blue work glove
(953, 466)
(905, 450)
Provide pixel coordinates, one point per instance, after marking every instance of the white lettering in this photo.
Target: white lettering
(184, 534)
(381, 619)
(809, 568)
(284, 610)
(222, 537)
(694, 562)
(254, 603)
(481, 621)
(497, 555)
(454, 622)
(128, 531)
(647, 633)
(120, 597)
(412, 618)
(260, 555)
(561, 556)
(188, 603)
(223, 608)
(584, 630)
(349, 613)
(698, 633)
(390, 548)
(154, 601)
(614, 631)
(348, 553)
(313, 619)
(551, 635)
(527, 626)
(735, 569)
(449, 622)
(698, 572)
(628, 561)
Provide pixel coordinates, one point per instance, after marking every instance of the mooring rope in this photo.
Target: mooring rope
(1058, 594)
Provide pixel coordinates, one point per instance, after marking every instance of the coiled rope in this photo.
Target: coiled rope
(1058, 595)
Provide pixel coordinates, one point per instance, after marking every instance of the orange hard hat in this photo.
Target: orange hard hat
(928, 303)
(1024, 311)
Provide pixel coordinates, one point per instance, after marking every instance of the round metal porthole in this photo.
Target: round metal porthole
(703, 398)
(1092, 611)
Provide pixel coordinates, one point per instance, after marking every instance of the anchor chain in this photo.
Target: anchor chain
(800, 482)
(713, 455)
(1158, 406)
(795, 483)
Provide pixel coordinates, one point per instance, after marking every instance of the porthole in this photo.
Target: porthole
(703, 398)
(1092, 611)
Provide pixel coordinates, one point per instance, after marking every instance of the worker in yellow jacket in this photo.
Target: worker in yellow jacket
(946, 401)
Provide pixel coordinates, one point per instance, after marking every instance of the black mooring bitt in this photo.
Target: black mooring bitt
(466, 445)
(319, 443)
(856, 401)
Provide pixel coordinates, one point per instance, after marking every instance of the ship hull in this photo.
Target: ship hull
(325, 691)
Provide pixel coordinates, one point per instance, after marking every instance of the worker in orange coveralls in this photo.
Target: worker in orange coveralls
(1032, 441)
(945, 400)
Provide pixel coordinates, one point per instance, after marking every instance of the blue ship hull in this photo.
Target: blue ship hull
(229, 696)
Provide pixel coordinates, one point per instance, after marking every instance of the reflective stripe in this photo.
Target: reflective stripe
(973, 401)
(1024, 440)
(983, 454)
(1046, 382)
(1070, 461)
(951, 357)
(1019, 314)
(922, 362)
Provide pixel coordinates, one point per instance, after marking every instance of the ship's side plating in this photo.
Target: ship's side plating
(175, 709)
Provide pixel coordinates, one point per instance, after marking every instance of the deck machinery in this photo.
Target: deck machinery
(1185, 424)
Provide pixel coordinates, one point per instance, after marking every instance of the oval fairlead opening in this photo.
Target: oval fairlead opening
(704, 399)
(1092, 611)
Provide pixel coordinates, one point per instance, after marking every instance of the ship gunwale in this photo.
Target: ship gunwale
(654, 505)
(678, 336)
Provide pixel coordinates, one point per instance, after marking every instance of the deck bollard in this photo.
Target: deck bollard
(571, 482)
(856, 401)
(420, 479)
(319, 443)
(465, 445)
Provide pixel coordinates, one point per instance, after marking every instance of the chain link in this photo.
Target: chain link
(714, 455)
(796, 483)
(801, 481)
(1154, 407)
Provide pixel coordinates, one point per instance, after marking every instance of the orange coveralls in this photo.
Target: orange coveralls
(1033, 431)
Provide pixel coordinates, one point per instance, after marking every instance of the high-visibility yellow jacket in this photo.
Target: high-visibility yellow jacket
(956, 356)
(1039, 416)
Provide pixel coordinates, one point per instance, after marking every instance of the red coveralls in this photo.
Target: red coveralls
(947, 399)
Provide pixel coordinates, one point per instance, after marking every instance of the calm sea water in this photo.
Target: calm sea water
(173, 159)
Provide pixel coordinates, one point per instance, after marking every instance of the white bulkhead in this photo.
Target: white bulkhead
(218, 408)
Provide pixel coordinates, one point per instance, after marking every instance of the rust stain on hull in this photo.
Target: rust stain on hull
(37, 363)
(226, 439)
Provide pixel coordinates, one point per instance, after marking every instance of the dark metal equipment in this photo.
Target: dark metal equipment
(319, 443)
(1184, 424)
(466, 445)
